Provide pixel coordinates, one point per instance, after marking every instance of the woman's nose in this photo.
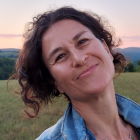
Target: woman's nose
(79, 59)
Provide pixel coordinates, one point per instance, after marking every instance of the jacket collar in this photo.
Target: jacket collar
(74, 122)
(129, 109)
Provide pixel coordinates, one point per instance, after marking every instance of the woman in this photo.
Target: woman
(70, 52)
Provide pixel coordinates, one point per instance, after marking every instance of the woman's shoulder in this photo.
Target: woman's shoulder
(53, 132)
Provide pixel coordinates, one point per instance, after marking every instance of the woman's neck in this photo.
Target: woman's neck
(101, 116)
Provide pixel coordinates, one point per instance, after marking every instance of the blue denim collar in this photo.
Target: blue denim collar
(129, 109)
(74, 122)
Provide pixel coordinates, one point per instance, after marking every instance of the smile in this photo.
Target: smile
(88, 71)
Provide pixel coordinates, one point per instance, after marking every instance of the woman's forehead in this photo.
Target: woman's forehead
(64, 31)
(64, 28)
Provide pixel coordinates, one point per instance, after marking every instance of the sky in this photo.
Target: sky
(123, 15)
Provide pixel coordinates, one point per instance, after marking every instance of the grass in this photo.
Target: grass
(128, 84)
(14, 127)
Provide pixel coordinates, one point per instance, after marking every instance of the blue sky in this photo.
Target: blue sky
(123, 15)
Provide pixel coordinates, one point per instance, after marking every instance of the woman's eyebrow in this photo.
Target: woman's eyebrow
(78, 35)
(54, 52)
(60, 48)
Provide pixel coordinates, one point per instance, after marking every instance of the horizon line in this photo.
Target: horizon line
(115, 47)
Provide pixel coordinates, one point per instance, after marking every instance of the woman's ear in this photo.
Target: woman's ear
(107, 49)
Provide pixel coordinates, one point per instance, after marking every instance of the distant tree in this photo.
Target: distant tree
(11, 56)
(138, 62)
(2, 74)
(6, 67)
(1, 63)
(130, 67)
(138, 67)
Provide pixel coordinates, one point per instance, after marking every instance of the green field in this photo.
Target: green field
(14, 127)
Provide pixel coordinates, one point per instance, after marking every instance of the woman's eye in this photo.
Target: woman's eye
(82, 41)
(59, 57)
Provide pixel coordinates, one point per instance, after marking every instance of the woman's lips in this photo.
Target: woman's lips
(88, 71)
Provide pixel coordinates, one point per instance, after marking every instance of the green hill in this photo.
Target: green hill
(132, 54)
(10, 53)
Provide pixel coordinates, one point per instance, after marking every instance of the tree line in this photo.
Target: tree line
(131, 67)
(7, 67)
(10, 56)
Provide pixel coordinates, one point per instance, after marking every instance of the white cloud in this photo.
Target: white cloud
(10, 35)
(130, 38)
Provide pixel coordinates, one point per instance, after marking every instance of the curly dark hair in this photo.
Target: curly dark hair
(32, 74)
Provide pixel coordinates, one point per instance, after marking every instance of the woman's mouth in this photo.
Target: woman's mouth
(88, 71)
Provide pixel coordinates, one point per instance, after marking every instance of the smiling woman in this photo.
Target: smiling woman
(70, 52)
(82, 58)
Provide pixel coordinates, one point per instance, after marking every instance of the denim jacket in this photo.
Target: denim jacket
(72, 127)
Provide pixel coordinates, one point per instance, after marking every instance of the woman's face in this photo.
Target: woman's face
(79, 62)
